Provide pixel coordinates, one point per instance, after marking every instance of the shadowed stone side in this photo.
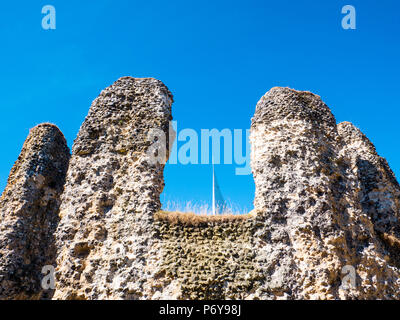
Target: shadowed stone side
(313, 221)
(378, 189)
(28, 213)
(112, 192)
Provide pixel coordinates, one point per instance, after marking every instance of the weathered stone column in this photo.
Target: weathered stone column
(292, 139)
(312, 220)
(111, 194)
(29, 213)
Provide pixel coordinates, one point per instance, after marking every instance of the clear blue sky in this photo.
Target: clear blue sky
(217, 57)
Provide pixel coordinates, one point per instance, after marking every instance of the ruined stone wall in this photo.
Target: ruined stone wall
(324, 200)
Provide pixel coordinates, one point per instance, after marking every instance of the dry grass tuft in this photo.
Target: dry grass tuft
(191, 219)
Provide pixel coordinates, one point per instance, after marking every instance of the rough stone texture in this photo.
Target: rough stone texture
(325, 199)
(206, 260)
(28, 213)
(112, 191)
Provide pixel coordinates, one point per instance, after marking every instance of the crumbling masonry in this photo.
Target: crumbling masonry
(324, 200)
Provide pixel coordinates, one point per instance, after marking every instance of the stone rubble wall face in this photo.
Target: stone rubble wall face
(205, 261)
